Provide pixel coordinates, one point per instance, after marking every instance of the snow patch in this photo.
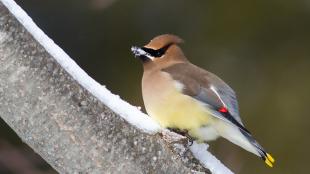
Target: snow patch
(207, 159)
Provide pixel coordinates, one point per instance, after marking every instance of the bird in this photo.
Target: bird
(182, 96)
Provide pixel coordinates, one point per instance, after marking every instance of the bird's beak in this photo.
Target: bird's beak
(141, 53)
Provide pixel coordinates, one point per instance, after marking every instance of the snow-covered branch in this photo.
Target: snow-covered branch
(73, 122)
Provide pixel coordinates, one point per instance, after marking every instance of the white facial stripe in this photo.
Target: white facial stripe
(218, 95)
(140, 52)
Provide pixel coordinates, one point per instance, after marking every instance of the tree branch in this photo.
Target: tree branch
(70, 120)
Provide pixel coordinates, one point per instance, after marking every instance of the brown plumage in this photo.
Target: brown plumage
(178, 94)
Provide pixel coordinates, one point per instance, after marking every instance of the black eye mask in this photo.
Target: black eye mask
(156, 53)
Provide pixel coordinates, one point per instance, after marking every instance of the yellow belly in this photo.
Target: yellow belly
(175, 110)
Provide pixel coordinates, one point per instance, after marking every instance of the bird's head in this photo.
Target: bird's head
(159, 50)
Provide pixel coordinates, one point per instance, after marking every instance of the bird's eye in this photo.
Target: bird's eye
(156, 53)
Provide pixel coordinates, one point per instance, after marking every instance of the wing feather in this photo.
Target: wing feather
(207, 88)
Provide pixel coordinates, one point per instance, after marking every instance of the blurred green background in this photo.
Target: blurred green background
(260, 48)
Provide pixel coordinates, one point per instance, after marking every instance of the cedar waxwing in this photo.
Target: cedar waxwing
(182, 96)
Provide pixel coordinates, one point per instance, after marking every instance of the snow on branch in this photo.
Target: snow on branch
(61, 117)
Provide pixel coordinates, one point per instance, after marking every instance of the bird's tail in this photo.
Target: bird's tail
(269, 160)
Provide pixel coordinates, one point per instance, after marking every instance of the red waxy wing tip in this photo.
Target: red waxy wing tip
(223, 110)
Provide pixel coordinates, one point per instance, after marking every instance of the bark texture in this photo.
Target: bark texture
(64, 123)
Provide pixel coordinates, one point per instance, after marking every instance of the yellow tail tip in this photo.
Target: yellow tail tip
(268, 163)
(269, 160)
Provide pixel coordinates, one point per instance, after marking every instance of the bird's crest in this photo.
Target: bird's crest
(163, 40)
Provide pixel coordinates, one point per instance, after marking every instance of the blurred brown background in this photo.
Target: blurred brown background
(261, 48)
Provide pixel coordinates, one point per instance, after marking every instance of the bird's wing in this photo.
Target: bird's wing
(208, 89)
(216, 95)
